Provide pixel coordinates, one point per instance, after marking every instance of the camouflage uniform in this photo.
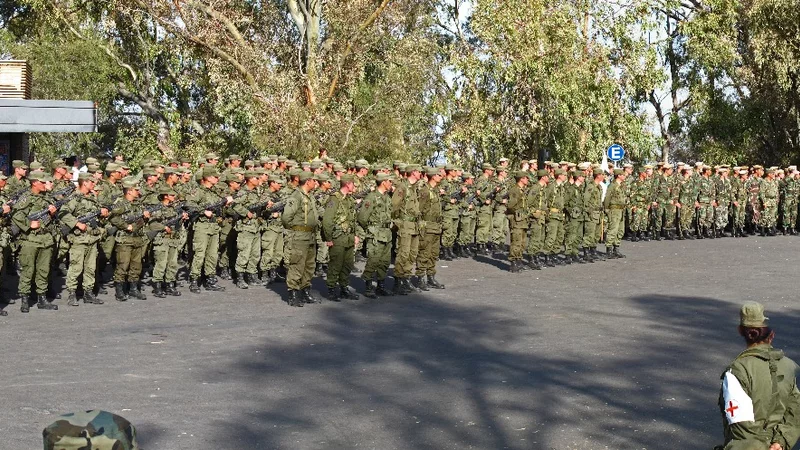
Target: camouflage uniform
(724, 191)
(614, 203)
(339, 227)
(300, 219)
(517, 211)
(83, 244)
(575, 219)
(35, 249)
(430, 233)
(706, 195)
(687, 199)
(92, 429)
(554, 237)
(768, 202)
(483, 225)
(375, 217)
(537, 207)
(248, 237)
(406, 215)
(593, 213)
(791, 192)
(500, 224)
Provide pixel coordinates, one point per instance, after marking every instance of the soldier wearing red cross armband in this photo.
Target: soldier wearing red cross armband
(759, 399)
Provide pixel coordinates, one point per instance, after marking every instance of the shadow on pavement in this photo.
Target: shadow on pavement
(415, 373)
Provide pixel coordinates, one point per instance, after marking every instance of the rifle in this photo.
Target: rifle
(90, 218)
(215, 207)
(171, 223)
(131, 218)
(45, 213)
(18, 196)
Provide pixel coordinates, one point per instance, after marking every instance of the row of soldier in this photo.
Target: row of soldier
(314, 218)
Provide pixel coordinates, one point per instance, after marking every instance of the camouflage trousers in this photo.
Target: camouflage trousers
(205, 245)
(705, 215)
(34, 263)
(769, 215)
(466, 233)
(271, 249)
(670, 213)
(519, 237)
(616, 227)
(639, 218)
(789, 211)
(658, 213)
(574, 235)
(129, 261)
(342, 256)
(449, 228)
(739, 214)
(554, 236)
(428, 253)
(379, 256)
(536, 236)
(82, 261)
(499, 226)
(407, 248)
(300, 253)
(592, 229)
(687, 216)
(248, 252)
(323, 255)
(165, 255)
(721, 217)
(227, 241)
(483, 229)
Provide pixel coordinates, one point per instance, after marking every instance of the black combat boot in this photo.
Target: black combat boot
(90, 298)
(3, 312)
(446, 255)
(380, 289)
(211, 285)
(369, 292)
(318, 272)
(24, 303)
(119, 291)
(225, 273)
(136, 291)
(158, 290)
(635, 236)
(241, 283)
(646, 236)
(346, 293)
(333, 294)
(307, 297)
(294, 299)
(194, 286)
(610, 253)
(772, 231)
(422, 285)
(533, 262)
(399, 287)
(617, 253)
(171, 288)
(432, 282)
(72, 299)
(545, 260)
(42, 303)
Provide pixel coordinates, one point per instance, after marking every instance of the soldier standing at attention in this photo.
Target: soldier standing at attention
(593, 212)
(768, 202)
(537, 207)
(499, 219)
(205, 242)
(430, 230)
(167, 244)
(450, 211)
(272, 233)
(130, 241)
(614, 204)
(35, 243)
(301, 219)
(248, 238)
(83, 239)
(406, 214)
(339, 235)
(484, 190)
(517, 212)
(555, 217)
(758, 398)
(687, 202)
(375, 216)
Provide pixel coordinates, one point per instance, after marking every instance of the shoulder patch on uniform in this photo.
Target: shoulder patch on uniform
(366, 204)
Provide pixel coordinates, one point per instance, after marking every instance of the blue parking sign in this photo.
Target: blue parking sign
(615, 152)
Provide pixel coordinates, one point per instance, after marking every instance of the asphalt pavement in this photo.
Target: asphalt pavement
(623, 354)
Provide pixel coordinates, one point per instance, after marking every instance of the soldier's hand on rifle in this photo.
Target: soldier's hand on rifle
(504, 201)
(736, 204)
(168, 230)
(208, 213)
(276, 215)
(185, 215)
(696, 204)
(129, 228)
(104, 212)
(677, 204)
(357, 240)
(452, 201)
(34, 224)
(81, 226)
(52, 209)
(229, 199)
(250, 215)
(6, 209)
(146, 214)
(329, 243)
(714, 203)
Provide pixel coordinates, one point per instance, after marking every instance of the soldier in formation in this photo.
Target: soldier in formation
(268, 220)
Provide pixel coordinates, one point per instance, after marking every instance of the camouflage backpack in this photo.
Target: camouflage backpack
(90, 430)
